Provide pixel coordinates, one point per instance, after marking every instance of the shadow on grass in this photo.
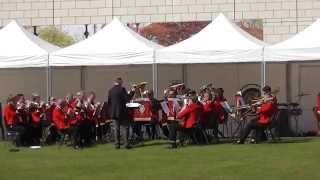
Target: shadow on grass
(288, 140)
(148, 144)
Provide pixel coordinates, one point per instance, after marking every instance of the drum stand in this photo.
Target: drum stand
(241, 121)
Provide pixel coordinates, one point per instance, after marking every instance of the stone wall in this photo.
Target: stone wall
(282, 18)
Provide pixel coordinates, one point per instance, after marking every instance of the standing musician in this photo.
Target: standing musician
(316, 112)
(265, 110)
(189, 115)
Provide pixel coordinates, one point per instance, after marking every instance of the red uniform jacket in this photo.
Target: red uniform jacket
(35, 115)
(49, 113)
(60, 118)
(191, 115)
(208, 113)
(219, 110)
(266, 111)
(10, 115)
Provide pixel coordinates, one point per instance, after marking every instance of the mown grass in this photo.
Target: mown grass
(291, 159)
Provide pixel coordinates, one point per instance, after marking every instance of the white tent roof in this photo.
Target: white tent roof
(115, 44)
(20, 48)
(303, 46)
(220, 42)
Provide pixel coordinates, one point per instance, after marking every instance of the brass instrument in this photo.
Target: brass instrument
(207, 87)
(139, 85)
(177, 87)
(256, 102)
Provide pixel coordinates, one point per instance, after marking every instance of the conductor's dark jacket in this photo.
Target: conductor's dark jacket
(117, 99)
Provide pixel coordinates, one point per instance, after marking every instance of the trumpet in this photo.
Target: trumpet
(206, 86)
(139, 85)
(178, 86)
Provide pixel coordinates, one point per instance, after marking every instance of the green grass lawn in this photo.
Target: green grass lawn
(295, 159)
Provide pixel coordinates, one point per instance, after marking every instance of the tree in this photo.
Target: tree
(56, 37)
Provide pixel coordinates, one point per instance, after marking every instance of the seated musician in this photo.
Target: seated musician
(265, 113)
(221, 106)
(61, 120)
(36, 114)
(316, 111)
(190, 115)
(171, 107)
(208, 119)
(11, 120)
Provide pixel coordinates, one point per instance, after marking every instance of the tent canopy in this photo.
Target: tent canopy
(20, 48)
(115, 44)
(303, 46)
(220, 42)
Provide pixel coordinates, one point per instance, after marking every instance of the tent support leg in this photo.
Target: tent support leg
(155, 76)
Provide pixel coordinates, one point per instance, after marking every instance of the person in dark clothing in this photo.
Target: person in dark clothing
(117, 99)
(1, 124)
(156, 107)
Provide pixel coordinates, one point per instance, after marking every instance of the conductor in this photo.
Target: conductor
(117, 99)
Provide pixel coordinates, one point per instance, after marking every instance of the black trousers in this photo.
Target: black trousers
(20, 139)
(121, 129)
(253, 125)
(174, 129)
(152, 130)
(2, 129)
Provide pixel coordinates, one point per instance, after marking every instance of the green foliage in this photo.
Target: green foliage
(56, 37)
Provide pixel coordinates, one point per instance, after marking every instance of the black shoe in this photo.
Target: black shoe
(128, 147)
(174, 146)
(117, 147)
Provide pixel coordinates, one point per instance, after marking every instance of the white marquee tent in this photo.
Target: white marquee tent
(20, 48)
(301, 47)
(220, 42)
(115, 44)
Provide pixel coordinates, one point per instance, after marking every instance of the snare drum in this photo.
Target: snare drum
(144, 111)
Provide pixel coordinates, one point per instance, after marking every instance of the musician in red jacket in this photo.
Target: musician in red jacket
(12, 122)
(209, 119)
(221, 106)
(190, 115)
(60, 119)
(10, 114)
(265, 113)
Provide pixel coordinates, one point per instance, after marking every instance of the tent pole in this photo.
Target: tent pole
(263, 70)
(264, 67)
(48, 78)
(154, 75)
